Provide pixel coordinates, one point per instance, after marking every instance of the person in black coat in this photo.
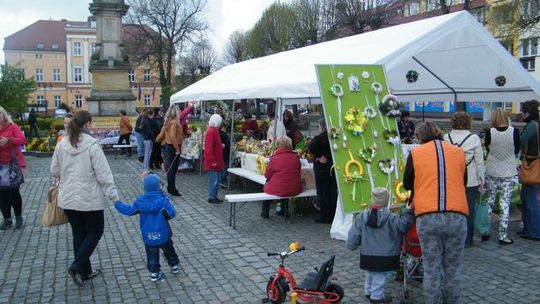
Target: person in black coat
(325, 180)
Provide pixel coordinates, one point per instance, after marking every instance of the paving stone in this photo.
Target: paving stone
(219, 264)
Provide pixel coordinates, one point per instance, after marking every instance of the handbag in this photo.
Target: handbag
(53, 215)
(529, 174)
(482, 222)
(11, 175)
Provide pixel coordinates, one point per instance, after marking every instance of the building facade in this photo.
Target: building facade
(56, 54)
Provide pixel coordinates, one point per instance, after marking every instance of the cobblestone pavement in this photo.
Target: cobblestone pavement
(219, 264)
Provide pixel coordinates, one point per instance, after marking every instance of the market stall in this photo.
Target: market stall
(452, 58)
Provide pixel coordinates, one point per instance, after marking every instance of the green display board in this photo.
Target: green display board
(361, 118)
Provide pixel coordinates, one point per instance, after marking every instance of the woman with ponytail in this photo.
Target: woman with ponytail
(85, 185)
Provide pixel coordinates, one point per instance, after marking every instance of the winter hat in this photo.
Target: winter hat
(380, 196)
(151, 183)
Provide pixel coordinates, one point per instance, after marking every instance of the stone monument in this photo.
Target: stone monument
(109, 65)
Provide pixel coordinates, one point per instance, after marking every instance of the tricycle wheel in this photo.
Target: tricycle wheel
(335, 288)
(277, 293)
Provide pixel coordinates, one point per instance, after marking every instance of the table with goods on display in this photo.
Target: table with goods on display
(361, 118)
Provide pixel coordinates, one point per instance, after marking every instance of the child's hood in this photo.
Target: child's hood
(382, 217)
(151, 202)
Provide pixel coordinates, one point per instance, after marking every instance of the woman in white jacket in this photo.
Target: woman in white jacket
(86, 184)
(474, 159)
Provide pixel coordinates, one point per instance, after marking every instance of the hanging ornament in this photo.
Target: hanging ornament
(401, 194)
(334, 133)
(412, 76)
(500, 80)
(365, 75)
(391, 137)
(370, 112)
(368, 154)
(356, 121)
(390, 106)
(355, 176)
(340, 75)
(386, 166)
(354, 84)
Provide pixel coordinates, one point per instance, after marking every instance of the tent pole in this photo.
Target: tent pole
(308, 124)
(231, 140)
(438, 78)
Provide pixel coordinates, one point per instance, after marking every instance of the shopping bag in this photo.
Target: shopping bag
(482, 222)
(53, 215)
(11, 175)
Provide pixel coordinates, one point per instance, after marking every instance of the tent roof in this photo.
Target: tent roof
(454, 47)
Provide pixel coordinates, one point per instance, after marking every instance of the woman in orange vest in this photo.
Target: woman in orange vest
(436, 174)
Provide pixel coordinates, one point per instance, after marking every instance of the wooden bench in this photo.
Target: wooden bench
(120, 147)
(258, 197)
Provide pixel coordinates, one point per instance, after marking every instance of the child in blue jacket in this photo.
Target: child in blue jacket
(155, 209)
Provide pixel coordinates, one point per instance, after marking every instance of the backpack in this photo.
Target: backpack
(461, 144)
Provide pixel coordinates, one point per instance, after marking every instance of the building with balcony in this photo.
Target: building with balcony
(56, 54)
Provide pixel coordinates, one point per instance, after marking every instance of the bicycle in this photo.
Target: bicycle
(317, 287)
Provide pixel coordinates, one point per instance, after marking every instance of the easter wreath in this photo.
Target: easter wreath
(390, 106)
(391, 136)
(356, 121)
(367, 154)
(370, 112)
(386, 166)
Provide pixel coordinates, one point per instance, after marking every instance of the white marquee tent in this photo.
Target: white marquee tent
(456, 58)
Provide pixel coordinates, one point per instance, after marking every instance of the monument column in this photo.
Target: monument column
(109, 66)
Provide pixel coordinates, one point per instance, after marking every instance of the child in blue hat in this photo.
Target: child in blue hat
(155, 209)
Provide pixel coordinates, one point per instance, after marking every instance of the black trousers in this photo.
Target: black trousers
(171, 162)
(155, 158)
(34, 128)
(125, 139)
(10, 198)
(87, 228)
(326, 194)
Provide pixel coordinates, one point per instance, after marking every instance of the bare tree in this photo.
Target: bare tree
(235, 48)
(163, 26)
(308, 22)
(204, 56)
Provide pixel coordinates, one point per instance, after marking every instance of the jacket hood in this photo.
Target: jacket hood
(85, 142)
(382, 216)
(151, 202)
(151, 183)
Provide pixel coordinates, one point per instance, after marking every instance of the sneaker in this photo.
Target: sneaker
(175, 269)
(385, 299)
(75, 277)
(92, 275)
(6, 224)
(18, 222)
(157, 276)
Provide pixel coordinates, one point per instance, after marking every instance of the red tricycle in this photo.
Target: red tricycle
(317, 287)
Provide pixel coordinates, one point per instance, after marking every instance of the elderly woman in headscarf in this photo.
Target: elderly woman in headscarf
(213, 157)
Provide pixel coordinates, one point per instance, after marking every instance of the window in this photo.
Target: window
(40, 45)
(431, 5)
(528, 63)
(77, 48)
(54, 46)
(411, 8)
(93, 46)
(529, 9)
(57, 101)
(77, 74)
(21, 73)
(146, 76)
(41, 100)
(39, 75)
(78, 101)
(56, 75)
(529, 47)
(131, 76)
(147, 100)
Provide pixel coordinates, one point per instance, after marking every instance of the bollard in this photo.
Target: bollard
(294, 297)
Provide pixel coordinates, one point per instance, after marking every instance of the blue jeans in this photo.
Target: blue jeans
(472, 196)
(213, 183)
(531, 210)
(148, 145)
(374, 284)
(152, 256)
(140, 144)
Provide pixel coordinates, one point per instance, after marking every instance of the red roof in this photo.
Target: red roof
(47, 32)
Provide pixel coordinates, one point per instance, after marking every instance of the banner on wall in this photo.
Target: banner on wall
(362, 128)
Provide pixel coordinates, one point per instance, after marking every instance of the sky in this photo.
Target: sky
(223, 16)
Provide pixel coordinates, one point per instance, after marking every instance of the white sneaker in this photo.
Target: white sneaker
(175, 269)
(157, 276)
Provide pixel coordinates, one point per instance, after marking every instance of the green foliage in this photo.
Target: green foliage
(273, 32)
(14, 90)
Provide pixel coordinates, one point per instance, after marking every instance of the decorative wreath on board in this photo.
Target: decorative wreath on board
(356, 121)
(386, 166)
(390, 106)
(337, 90)
(412, 76)
(376, 88)
(500, 80)
(401, 194)
(391, 137)
(370, 112)
(368, 154)
(354, 176)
